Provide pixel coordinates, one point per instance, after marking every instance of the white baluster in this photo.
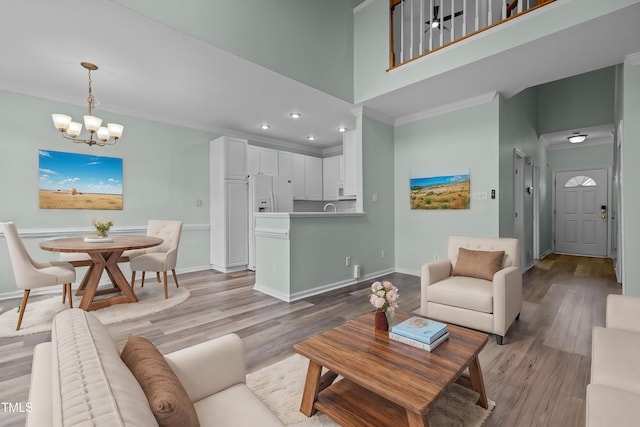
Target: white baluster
(441, 26)
(421, 30)
(504, 9)
(402, 31)
(464, 18)
(477, 17)
(412, 37)
(453, 27)
(430, 23)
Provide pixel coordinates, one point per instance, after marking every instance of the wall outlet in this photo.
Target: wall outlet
(347, 261)
(382, 254)
(436, 257)
(374, 197)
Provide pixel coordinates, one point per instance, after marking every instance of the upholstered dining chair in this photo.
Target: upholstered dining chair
(160, 258)
(30, 274)
(479, 286)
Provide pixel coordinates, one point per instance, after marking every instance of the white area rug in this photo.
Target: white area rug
(280, 387)
(39, 314)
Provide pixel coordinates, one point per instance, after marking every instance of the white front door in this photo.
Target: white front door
(581, 212)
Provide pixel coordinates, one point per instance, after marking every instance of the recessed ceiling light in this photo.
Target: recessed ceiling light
(295, 115)
(342, 129)
(264, 126)
(577, 138)
(311, 138)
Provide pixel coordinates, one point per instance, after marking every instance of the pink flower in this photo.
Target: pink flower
(384, 296)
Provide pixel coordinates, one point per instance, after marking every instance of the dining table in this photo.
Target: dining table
(104, 254)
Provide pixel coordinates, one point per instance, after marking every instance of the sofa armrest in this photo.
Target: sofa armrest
(209, 367)
(623, 312)
(40, 397)
(507, 298)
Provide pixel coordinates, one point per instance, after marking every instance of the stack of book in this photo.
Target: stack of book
(420, 332)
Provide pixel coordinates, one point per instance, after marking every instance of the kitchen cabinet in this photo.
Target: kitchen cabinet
(331, 168)
(229, 204)
(285, 165)
(350, 169)
(307, 177)
(262, 161)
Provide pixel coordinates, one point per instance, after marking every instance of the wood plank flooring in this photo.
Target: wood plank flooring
(538, 378)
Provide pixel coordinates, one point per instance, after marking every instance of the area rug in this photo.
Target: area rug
(39, 314)
(280, 387)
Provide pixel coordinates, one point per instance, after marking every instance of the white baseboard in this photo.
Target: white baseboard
(57, 289)
(288, 297)
(408, 271)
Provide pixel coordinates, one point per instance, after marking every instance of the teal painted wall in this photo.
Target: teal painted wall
(166, 168)
(577, 102)
(310, 41)
(371, 41)
(464, 140)
(630, 177)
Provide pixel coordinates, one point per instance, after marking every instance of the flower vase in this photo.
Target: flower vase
(381, 321)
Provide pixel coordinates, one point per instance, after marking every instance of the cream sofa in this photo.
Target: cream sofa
(487, 305)
(79, 379)
(613, 395)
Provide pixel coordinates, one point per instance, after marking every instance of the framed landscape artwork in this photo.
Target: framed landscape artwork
(79, 181)
(441, 192)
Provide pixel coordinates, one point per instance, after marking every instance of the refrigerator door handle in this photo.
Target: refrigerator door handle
(274, 207)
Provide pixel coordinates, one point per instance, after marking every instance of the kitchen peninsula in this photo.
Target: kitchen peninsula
(299, 254)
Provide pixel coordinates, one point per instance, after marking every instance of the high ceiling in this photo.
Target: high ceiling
(151, 71)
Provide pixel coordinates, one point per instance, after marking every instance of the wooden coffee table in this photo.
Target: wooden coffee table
(386, 383)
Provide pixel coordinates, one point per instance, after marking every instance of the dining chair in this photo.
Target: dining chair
(161, 258)
(30, 274)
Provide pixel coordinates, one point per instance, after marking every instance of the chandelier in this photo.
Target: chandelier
(105, 135)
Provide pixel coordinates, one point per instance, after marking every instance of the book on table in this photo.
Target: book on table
(419, 344)
(420, 329)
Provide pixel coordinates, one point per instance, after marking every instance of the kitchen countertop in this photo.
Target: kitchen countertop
(308, 214)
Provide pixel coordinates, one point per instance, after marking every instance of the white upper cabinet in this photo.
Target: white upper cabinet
(262, 160)
(230, 157)
(350, 170)
(285, 165)
(330, 177)
(307, 177)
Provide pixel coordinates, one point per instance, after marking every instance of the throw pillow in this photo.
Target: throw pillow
(479, 264)
(167, 397)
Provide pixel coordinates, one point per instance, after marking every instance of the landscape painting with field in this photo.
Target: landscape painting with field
(441, 192)
(79, 181)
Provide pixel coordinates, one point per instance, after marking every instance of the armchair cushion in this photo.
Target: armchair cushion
(478, 264)
(167, 397)
(464, 292)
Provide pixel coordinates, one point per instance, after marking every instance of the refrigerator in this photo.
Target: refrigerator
(266, 194)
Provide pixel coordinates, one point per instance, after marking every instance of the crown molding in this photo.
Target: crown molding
(361, 110)
(633, 58)
(448, 108)
(362, 5)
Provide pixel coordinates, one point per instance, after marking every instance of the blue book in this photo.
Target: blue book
(421, 329)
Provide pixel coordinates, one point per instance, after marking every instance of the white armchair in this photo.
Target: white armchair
(451, 293)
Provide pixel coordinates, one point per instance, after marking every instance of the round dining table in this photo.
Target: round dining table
(104, 254)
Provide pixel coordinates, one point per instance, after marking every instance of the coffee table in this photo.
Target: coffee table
(386, 382)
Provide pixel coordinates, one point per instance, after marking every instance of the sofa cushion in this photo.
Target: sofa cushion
(464, 292)
(235, 406)
(167, 397)
(90, 383)
(479, 264)
(608, 406)
(612, 367)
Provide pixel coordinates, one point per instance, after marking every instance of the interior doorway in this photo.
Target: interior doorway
(581, 212)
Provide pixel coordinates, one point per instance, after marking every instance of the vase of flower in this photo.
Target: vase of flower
(384, 297)
(381, 322)
(102, 227)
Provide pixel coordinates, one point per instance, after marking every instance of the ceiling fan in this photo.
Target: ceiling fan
(437, 22)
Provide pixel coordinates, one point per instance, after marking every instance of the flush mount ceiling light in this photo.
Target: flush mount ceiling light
(342, 129)
(577, 138)
(295, 115)
(311, 138)
(264, 126)
(106, 135)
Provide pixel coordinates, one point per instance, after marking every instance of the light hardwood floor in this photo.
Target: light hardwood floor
(538, 378)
